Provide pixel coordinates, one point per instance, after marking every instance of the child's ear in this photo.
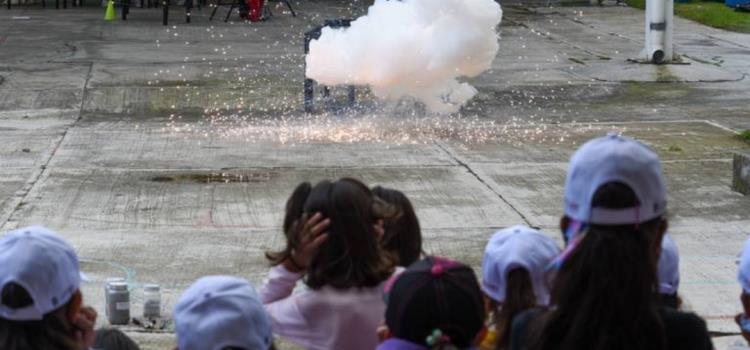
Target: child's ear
(480, 336)
(384, 333)
(74, 306)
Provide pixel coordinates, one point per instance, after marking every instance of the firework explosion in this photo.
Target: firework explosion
(254, 92)
(415, 48)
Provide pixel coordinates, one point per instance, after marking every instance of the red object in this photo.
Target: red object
(256, 10)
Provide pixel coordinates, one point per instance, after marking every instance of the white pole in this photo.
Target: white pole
(669, 20)
(659, 18)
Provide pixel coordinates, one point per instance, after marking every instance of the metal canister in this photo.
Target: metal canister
(151, 301)
(118, 303)
(106, 292)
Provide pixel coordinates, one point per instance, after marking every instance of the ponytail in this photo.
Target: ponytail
(519, 296)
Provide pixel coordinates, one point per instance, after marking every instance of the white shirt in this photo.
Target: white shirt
(326, 318)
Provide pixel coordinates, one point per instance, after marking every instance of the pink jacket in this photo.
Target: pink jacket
(323, 319)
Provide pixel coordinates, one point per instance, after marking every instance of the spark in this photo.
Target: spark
(256, 97)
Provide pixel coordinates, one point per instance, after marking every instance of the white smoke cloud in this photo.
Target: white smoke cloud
(414, 48)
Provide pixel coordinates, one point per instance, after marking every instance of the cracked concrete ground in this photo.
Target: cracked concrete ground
(127, 138)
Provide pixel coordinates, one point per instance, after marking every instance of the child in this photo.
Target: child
(41, 306)
(514, 278)
(333, 247)
(435, 304)
(603, 294)
(403, 237)
(220, 313)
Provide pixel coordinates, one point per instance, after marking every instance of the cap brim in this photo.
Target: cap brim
(84, 278)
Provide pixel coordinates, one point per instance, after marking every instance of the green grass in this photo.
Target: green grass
(639, 4)
(716, 15)
(675, 148)
(745, 135)
(710, 13)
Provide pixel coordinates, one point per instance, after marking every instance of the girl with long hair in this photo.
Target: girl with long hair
(403, 236)
(605, 293)
(332, 232)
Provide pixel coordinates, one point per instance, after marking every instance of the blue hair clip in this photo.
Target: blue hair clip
(574, 228)
(437, 337)
(557, 263)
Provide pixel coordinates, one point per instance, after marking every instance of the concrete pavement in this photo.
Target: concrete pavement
(166, 153)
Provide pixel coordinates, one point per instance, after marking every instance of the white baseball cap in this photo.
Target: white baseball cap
(743, 275)
(669, 267)
(615, 158)
(41, 262)
(221, 311)
(517, 247)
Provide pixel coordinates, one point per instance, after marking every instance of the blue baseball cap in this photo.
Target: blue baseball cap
(518, 247)
(221, 311)
(615, 158)
(41, 262)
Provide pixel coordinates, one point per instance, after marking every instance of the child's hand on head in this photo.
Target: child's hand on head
(311, 236)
